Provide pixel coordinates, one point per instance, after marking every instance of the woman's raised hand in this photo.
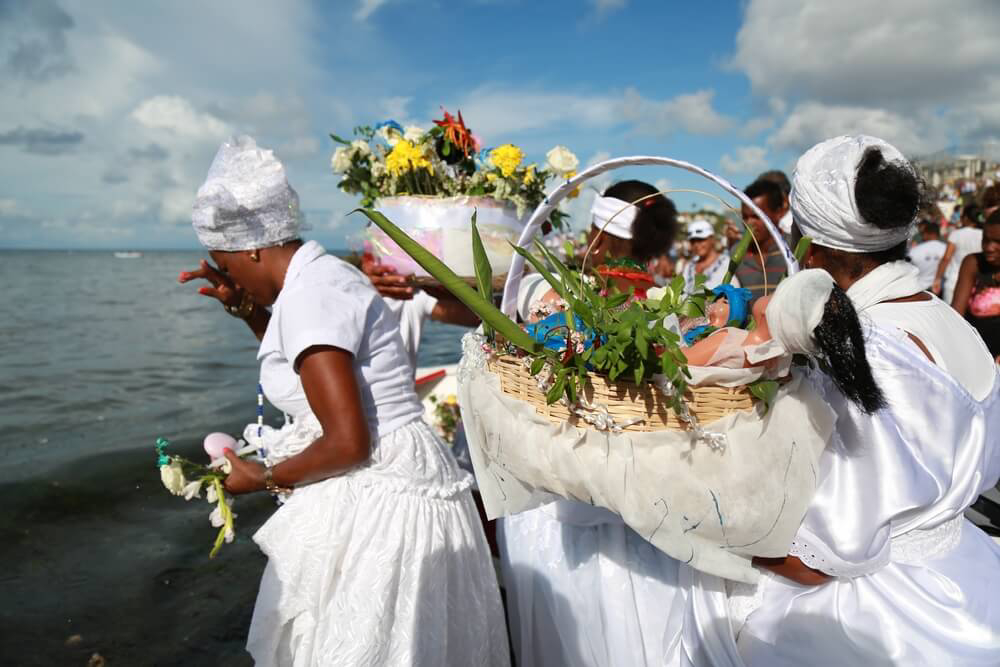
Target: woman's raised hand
(222, 288)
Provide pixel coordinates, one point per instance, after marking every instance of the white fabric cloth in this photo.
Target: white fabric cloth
(411, 313)
(613, 216)
(967, 240)
(785, 224)
(933, 322)
(245, 201)
(385, 564)
(326, 301)
(711, 508)
(797, 307)
(584, 590)
(914, 581)
(926, 257)
(822, 198)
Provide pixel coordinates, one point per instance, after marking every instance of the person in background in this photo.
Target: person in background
(961, 243)
(412, 306)
(663, 268)
(927, 254)
(977, 293)
(706, 258)
(761, 273)
(779, 178)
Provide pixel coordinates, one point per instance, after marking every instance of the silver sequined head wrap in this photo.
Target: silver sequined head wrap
(245, 202)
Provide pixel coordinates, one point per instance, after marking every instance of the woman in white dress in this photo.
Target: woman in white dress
(376, 556)
(583, 589)
(885, 570)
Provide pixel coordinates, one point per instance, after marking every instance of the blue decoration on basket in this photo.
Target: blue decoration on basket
(552, 331)
(739, 299)
(390, 123)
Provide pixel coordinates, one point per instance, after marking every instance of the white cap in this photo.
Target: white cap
(698, 230)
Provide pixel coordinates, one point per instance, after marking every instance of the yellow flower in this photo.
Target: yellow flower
(506, 158)
(529, 175)
(576, 191)
(451, 399)
(405, 157)
(490, 177)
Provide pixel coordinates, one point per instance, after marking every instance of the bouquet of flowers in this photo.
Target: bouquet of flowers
(186, 478)
(430, 181)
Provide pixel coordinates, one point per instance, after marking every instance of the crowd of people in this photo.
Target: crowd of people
(377, 555)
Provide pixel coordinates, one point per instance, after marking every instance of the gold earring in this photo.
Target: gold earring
(254, 255)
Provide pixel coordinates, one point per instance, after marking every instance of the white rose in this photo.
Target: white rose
(655, 293)
(562, 160)
(361, 146)
(341, 160)
(172, 477)
(378, 169)
(192, 490)
(390, 134)
(413, 134)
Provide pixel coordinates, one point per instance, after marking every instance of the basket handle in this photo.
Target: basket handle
(516, 271)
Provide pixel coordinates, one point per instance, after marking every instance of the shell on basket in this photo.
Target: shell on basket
(624, 400)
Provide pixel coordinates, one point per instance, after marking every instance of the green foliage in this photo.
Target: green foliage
(802, 247)
(765, 391)
(484, 272)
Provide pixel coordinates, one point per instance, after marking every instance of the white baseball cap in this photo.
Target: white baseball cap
(700, 229)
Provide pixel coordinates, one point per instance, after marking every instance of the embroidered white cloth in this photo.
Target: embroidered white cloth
(613, 216)
(711, 509)
(245, 201)
(822, 197)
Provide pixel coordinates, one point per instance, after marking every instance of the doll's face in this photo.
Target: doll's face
(718, 313)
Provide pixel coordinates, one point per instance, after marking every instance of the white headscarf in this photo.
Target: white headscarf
(796, 309)
(822, 197)
(245, 201)
(614, 216)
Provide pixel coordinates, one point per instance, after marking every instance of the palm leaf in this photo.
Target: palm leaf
(478, 304)
(484, 272)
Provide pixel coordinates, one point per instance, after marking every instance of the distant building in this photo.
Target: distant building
(941, 168)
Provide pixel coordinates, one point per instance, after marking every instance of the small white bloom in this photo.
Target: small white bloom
(413, 134)
(172, 477)
(390, 134)
(230, 535)
(360, 146)
(192, 490)
(215, 518)
(378, 169)
(341, 160)
(562, 160)
(655, 293)
(210, 494)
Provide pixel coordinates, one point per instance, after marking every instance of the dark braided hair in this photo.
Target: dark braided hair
(842, 348)
(655, 224)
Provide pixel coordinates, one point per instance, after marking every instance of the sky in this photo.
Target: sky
(110, 112)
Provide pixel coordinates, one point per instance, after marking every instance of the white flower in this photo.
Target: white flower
(210, 494)
(341, 160)
(390, 134)
(413, 134)
(562, 160)
(655, 293)
(378, 169)
(192, 490)
(215, 518)
(172, 477)
(360, 146)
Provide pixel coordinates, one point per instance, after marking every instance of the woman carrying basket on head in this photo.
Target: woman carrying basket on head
(376, 556)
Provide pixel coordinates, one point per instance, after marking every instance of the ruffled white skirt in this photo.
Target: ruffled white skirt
(385, 565)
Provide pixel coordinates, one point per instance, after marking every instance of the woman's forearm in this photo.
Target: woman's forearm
(320, 460)
(792, 568)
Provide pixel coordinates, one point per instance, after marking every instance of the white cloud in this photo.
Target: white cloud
(608, 6)
(366, 8)
(744, 160)
(8, 206)
(690, 112)
(177, 115)
(812, 122)
(298, 147)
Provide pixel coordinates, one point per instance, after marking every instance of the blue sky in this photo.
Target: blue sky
(110, 112)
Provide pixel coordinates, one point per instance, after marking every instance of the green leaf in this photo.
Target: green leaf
(556, 390)
(340, 140)
(489, 313)
(639, 372)
(446, 148)
(484, 272)
(537, 365)
(543, 272)
(766, 391)
(737, 256)
(802, 247)
(569, 279)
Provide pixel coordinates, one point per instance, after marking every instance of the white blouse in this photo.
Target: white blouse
(325, 301)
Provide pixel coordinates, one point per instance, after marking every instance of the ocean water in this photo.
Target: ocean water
(102, 354)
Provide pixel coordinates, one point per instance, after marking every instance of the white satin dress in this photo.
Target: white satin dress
(386, 564)
(915, 583)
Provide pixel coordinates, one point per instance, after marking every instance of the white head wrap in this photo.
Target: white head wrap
(245, 201)
(796, 308)
(620, 213)
(822, 197)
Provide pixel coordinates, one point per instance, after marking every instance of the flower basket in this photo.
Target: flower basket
(441, 225)
(635, 408)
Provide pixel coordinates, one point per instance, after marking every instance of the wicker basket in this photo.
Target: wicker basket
(624, 400)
